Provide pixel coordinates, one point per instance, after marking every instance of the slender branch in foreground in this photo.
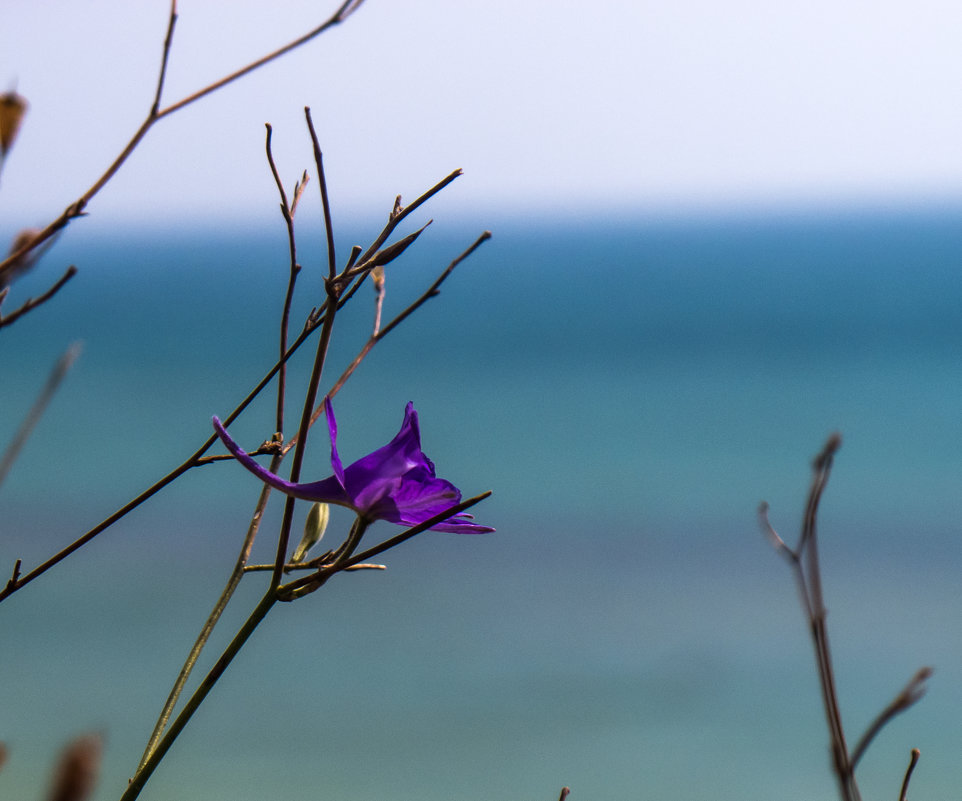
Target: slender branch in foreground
(333, 289)
(198, 457)
(240, 567)
(163, 746)
(57, 375)
(564, 793)
(195, 459)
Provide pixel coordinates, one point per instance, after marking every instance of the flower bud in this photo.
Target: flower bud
(314, 528)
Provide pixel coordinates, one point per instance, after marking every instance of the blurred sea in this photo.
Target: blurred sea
(630, 389)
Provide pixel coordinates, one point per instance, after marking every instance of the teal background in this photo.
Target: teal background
(629, 387)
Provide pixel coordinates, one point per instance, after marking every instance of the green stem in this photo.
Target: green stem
(144, 773)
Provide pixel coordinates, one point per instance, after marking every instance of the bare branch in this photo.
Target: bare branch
(910, 693)
(76, 209)
(325, 201)
(32, 303)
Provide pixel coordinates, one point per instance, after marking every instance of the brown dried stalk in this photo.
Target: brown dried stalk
(804, 562)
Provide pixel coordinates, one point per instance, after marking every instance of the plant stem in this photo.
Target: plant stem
(146, 770)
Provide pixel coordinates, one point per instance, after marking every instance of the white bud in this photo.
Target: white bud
(314, 528)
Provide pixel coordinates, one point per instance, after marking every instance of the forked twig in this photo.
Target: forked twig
(805, 565)
(804, 562)
(77, 207)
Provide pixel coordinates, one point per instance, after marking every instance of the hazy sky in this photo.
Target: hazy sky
(574, 106)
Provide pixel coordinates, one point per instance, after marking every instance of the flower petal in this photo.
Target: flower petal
(329, 490)
(332, 431)
(376, 476)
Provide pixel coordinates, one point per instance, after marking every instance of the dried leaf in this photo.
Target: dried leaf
(12, 109)
(19, 266)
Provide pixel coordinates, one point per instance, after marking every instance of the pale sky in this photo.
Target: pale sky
(570, 106)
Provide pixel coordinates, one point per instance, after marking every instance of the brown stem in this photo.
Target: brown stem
(32, 303)
(432, 291)
(290, 590)
(805, 565)
(295, 268)
(913, 761)
(333, 288)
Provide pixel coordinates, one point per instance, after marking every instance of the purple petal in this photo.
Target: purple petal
(332, 431)
(376, 476)
(329, 490)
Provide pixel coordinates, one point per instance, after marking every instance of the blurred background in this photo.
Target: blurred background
(719, 236)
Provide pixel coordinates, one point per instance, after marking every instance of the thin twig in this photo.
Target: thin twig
(32, 303)
(913, 761)
(333, 289)
(295, 268)
(325, 201)
(192, 461)
(298, 587)
(144, 773)
(342, 13)
(805, 565)
(432, 291)
(57, 375)
(910, 693)
(164, 58)
(232, 583)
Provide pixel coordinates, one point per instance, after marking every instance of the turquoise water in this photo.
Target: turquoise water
(630, 390)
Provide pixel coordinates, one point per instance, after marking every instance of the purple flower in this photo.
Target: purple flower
(396, 483)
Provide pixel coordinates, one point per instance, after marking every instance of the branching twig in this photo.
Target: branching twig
(76, 209)
(804, 562)
(432, 291)
(805, 565)
(192, 461)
